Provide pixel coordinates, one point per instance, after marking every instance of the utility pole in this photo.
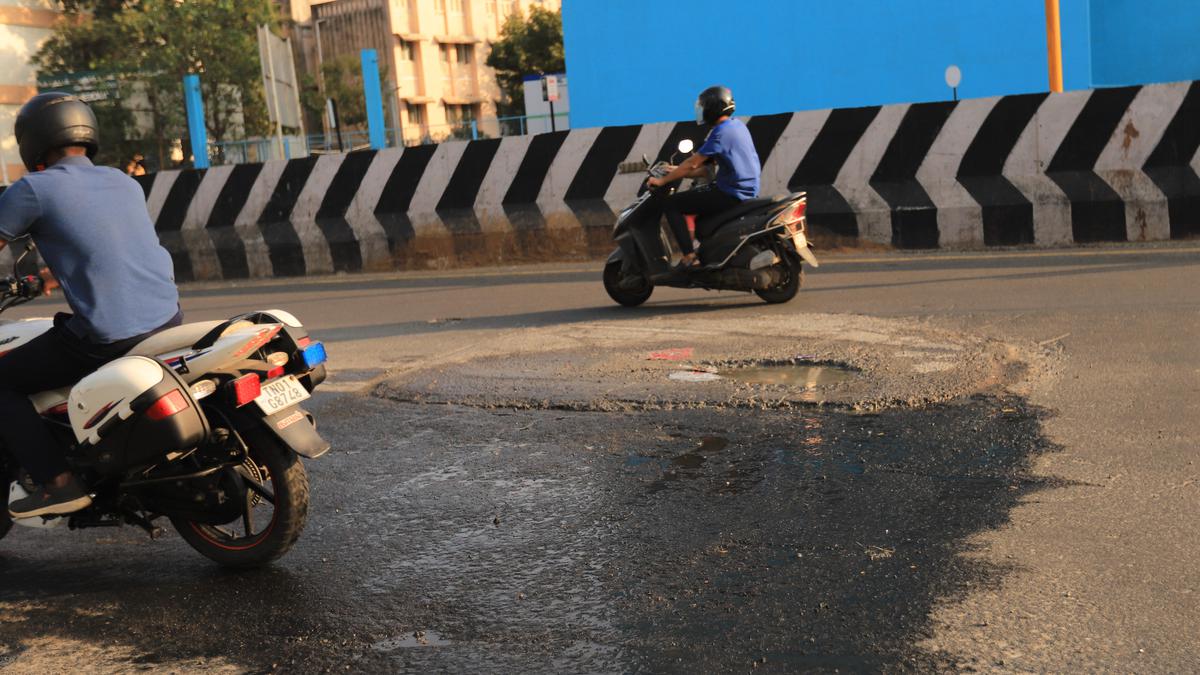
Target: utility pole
(1054, 45)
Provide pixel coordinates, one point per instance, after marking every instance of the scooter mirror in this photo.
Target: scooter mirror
(686, 146)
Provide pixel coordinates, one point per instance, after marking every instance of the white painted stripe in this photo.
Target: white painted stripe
(317, 257)
(873, 213)
(1147, 217)
(200, 247)
(258, 258)
(790, 150)
(959, 216)
(423, 210)
(372, 238)
(624, 186)
(163, 183)
(562, 171)
(1032, 153)
(489, 207)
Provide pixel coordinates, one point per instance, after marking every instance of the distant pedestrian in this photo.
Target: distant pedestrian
(136, 165)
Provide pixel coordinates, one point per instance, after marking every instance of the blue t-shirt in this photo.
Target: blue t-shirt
(738, 169)
(91, 226)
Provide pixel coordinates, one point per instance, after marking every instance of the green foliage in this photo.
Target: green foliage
(344, 84)
(149, 45)
(526, 47)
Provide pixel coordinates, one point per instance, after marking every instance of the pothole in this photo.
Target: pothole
(769, 362)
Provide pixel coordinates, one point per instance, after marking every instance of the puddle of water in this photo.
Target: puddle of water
(421, 638)
(808, 376)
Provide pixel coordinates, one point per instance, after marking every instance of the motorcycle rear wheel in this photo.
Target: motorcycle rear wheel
(790, 286)
(612, 279)
(284, 489)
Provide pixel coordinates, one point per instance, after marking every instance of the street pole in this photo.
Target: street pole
(266, 41)
(321, 75)
(296, 96)
(1054, 45)
(3, 167)
(553, 128)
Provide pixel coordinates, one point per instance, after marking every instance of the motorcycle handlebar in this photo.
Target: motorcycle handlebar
(21, 288)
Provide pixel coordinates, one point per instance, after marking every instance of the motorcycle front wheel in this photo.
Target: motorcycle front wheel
(626, 297)
(786, 289)
(275, 509)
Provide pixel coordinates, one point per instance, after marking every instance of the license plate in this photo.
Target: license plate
(282, 393)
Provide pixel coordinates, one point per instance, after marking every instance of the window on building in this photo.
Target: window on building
(458, 114)
(458, 7)
(407, 51)
(444, 54)
(464, 55)
(439, 6)
(416, 113)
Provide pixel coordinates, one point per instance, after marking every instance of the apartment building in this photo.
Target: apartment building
(434, 52)
(24, 24)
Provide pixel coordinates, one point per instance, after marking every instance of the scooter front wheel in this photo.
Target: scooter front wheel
(629, 297)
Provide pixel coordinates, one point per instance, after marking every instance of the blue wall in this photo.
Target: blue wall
(1143, 41)
(640, 61)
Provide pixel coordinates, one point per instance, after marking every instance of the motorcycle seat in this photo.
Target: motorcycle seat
(706, 226)
(173, 339)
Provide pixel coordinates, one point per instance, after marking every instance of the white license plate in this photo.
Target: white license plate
(282, 393)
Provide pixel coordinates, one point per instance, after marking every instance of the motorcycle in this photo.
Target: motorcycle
(758, 246)
(199, 424)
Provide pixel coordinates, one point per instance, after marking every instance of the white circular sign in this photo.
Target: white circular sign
(953, 77)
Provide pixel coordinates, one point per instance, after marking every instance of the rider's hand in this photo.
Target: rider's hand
(49, 283)
(654, 181)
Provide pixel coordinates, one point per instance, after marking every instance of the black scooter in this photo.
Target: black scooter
(758, 246)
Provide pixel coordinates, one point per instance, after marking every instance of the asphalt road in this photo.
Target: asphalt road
(1049, 525)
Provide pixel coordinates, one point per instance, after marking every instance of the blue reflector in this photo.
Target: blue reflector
(314, 355)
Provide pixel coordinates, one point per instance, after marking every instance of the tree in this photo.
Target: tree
(344, 84)
(526, 47)
(149, 45)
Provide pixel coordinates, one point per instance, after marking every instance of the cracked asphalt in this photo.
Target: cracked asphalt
(1033, 509)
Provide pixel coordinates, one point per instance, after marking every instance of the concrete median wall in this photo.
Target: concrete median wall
(1092, 166)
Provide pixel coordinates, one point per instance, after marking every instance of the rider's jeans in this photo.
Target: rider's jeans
(54, 359)
(702, 201)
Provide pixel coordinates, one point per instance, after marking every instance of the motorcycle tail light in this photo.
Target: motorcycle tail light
(275, 372)
(174, 402)
(246, 388)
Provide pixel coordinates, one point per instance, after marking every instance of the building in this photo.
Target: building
(788, 55)
(432, 52)
(24, 24)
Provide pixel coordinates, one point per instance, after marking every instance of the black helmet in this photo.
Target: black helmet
(54, 120)
(713, 103)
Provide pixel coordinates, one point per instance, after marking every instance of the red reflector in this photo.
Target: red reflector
(246, 388)
(274, 372)
(798, 212)
(303, 342)
(172, 403)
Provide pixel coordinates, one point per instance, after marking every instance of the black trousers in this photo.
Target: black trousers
(57, 358)
(705, 200)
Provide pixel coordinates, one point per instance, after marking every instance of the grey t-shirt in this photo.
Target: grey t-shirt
(91, 226)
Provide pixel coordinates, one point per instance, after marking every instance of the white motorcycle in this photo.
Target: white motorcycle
(200, 424)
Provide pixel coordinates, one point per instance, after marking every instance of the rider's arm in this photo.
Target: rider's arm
(19, 210)
(690, 168)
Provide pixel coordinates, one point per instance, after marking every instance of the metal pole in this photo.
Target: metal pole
(321, 78)
(553, 128)
(195, 116)
(296, 95)
(1054, 45)
(274, 90)
(3, 167)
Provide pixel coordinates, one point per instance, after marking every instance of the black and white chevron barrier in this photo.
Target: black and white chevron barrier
(1038, 169)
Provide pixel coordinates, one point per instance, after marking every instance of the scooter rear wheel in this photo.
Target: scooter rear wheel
(628, 298)
(789, 287)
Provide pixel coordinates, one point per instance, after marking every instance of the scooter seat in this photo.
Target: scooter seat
(706, 226)
(173, 339)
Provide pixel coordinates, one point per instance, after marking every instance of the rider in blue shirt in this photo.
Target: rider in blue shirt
(92, 228)
(730, 146)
